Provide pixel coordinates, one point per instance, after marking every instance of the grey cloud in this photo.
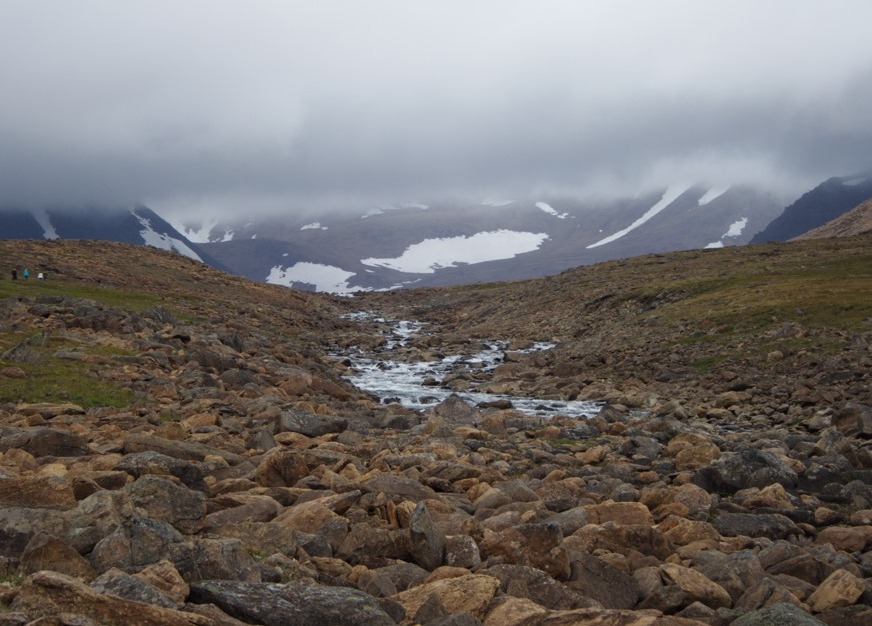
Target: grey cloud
(284, 104)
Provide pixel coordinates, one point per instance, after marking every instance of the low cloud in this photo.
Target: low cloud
(237, 108)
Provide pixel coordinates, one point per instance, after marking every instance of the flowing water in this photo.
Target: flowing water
(394, 379)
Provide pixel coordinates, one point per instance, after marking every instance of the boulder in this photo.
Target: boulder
(534, 584)
(743, 469)
(782, 614)
(139, 464)
(309, 424)
(534, 545)
(45, 552)
(696, 585)
(603, 583)
(43, 442)
(427, 543)
(45, 594)
(841, 588)
(471, 593)
(770, 525)
(291, 604)
(214, 559)
(164, 500)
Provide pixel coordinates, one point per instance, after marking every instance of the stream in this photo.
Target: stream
(415, 384)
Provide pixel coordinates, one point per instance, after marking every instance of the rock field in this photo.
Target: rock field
(247, 482)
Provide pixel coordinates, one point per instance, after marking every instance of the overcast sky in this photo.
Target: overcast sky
(247, 105)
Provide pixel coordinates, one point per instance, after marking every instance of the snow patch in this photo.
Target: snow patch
(432, 254)
(313, 226)
(163, 241)
(671, 194)
(712, 194)
(496, 202)
(48, 229)
(550, 210)
(323, 277)
(735, 230)
(203, 234)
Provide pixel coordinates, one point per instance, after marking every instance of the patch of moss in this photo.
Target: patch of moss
(48, 378)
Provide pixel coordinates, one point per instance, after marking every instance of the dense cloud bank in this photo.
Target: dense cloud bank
(228, 106)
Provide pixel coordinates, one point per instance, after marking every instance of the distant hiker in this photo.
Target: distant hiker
(40, 276)
(26, 273)
(14, 274)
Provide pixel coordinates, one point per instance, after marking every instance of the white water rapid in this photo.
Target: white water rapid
(393, 380)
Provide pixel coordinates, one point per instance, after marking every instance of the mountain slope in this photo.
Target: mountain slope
(857, 221)
(139, 226)
(822, 204)
(466, 242)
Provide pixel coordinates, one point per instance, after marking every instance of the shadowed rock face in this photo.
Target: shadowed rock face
(287, 496)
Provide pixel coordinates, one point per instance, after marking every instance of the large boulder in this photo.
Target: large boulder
(46, 594)
(745, 468)
(291, 604)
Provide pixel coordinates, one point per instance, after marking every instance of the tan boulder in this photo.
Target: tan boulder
(773, 496)
(841, 588)
(164, 577)
(46, 594)
(45, 552)
(696, 585)
(307, 517)
(37, 492)
(683, 532)
(846, 538)
(619, 512)
(515, 612)
(534, 545)
(472, 593)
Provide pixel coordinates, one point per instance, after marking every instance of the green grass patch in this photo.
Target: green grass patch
(121, 298)
(48, 378)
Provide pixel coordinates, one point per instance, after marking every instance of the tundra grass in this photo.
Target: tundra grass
(48, 378)
(122, 298)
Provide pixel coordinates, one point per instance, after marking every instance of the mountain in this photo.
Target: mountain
(857, 221)
(822, 204)
(139, 226)
(444, 243)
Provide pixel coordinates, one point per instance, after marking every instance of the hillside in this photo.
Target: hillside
(181, 446)
(857, 221)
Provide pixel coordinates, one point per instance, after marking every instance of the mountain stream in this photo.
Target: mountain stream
(415, 384)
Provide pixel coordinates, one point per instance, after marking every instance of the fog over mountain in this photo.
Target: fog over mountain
(231, 108)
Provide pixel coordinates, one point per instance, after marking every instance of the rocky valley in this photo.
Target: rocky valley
(182, 446)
